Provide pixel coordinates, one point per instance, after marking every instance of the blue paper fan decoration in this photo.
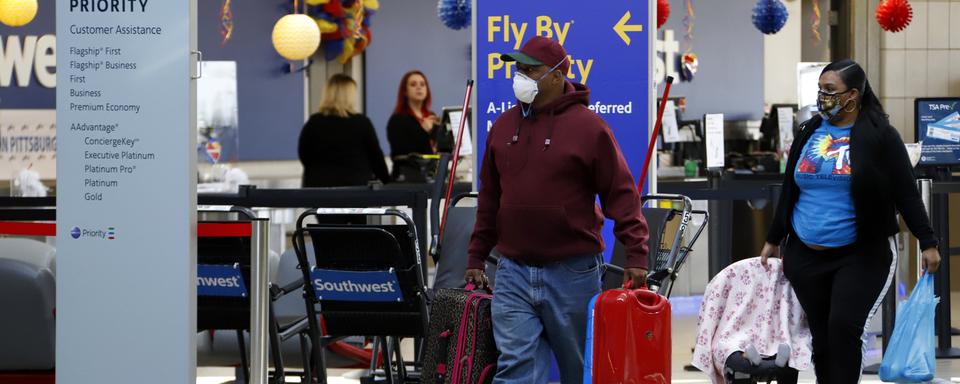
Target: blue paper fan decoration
(769, 16)
(455, 14)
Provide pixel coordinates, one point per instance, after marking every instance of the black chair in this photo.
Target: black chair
(232, 312)
(384, 253)
(665, 258)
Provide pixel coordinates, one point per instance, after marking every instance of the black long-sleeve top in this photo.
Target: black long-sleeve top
(882, 184)
(340, 151)
(406, 136)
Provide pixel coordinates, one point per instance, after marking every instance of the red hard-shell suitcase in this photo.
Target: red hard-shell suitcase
(628, 338)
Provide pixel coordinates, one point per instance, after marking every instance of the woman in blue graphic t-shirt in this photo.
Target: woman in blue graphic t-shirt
(848, 175)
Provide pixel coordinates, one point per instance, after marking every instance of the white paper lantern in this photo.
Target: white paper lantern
(17, 13)
(296, 37)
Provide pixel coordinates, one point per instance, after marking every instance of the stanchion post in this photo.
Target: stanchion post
(720, 228)
(259, 300)
(926, 194)
(941, 227)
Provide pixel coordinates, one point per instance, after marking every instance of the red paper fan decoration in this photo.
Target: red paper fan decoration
(663, 12)
(894, 15)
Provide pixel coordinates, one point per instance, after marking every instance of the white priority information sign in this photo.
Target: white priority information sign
(126, 191)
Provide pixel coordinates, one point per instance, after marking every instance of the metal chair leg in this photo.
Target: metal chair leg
(244, 371)
(401, 366)
(279, 376)
(321, 350)
(305, 356)
(375, 357)
(387, 362)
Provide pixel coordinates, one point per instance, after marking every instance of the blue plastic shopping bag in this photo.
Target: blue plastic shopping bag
(910, 355)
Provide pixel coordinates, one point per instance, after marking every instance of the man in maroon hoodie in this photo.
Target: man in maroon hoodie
(547, 160)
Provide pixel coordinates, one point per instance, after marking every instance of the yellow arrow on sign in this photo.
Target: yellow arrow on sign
(622, 28)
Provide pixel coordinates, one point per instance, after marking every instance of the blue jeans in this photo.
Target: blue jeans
(539, 308)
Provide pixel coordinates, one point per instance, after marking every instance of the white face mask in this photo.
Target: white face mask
(525, 88)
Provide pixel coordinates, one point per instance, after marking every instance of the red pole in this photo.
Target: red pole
(456, 157)
(656, 132)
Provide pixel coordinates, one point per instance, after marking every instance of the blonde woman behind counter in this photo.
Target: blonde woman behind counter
(338, 146)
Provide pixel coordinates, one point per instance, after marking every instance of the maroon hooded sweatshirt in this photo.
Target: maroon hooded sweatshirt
(539, 182)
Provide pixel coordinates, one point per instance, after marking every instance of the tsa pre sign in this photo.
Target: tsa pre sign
(375, 286)
(610, 48)
(938, 130)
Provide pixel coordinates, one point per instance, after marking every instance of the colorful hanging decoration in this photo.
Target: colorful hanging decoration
(663, 12)
(226, 22)
(894, 15)
(815, 27)
(769, 16)
(213, 150)
(296, 36)
(688, 22)
(455, 14)
(345, 26)
(689, 63)
(17, 13)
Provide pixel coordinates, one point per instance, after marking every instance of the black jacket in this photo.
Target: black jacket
(340, 151)
(406, 136)
(881, 184)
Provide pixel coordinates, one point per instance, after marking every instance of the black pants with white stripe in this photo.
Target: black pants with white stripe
(840, 289)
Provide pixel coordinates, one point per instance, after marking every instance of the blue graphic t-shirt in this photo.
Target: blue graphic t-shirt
(824, 213)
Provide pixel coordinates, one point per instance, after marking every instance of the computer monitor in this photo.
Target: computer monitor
(451, 122)
(937, 129)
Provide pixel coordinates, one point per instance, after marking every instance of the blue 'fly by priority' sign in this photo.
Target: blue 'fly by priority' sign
(220, 280)
(369, 286)
(610, 48)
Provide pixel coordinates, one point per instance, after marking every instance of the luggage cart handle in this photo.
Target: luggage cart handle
(351, 211)
(468, 195)
(224, 208)
(687, 203)
(355, 212)
(366, 212)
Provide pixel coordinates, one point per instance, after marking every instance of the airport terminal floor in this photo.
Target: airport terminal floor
(684, 322)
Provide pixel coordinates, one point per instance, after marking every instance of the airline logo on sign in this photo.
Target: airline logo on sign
(23, 58)
(220, 280)
(369, 286)
(109, 233)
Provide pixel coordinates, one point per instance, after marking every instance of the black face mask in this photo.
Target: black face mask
(829, 104)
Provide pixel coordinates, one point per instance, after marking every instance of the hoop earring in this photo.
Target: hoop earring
(850, 110)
